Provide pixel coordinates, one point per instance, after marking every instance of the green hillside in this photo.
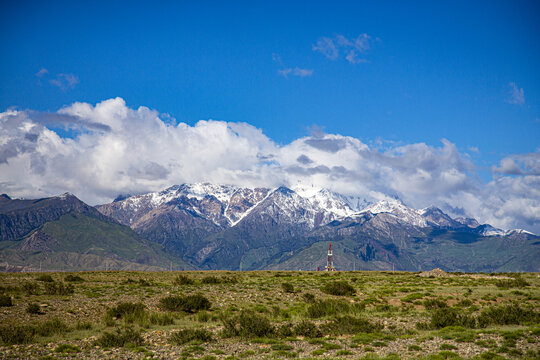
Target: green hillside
(84, 242)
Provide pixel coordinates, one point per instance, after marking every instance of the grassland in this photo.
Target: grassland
(269, 315)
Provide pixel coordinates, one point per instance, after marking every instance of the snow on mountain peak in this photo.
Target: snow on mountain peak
(397, 208)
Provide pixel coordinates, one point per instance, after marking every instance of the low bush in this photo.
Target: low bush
(121, 337)
(219, 280)
(58, 288)
(30, 288)
(34, 309)
(431, 304)
(285, 330)
(331, 307)
(67, 349)
(247, 325)
(203, 316)
(308, 297)
(73, 278)
(441, 318)
(17, 334)
(161, 319)
(349, 325)
(507, 315)
(512, 283)
(190, 303)
(287, 287)
(188, 335)
(339, 288)
(51, 327)
(125, 309)
(368, 338)
(412, 297)
(45, 278)
(183, 280)
(5, 300)
(457, 333)
(308, 329)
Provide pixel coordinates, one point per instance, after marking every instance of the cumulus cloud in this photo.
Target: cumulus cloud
(120, 150)
(524, 164)
(517, 96)
(331, 47)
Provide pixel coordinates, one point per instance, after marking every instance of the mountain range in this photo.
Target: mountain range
(212, 226)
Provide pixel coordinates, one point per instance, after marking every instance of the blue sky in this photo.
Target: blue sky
(465, 71)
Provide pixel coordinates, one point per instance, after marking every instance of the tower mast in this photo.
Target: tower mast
(330, 260)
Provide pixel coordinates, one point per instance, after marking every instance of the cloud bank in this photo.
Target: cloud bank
(119, 150)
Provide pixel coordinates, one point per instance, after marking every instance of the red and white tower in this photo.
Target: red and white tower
(330, 260)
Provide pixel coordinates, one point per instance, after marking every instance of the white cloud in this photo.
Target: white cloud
(295, 72)
(327, 47)
(330, 47)
(285, 71)
(517, 96)
(124, 150)
(42, 72)
(65, 81)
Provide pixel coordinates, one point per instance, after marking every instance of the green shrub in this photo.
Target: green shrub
(507, 315)
(512, 283)
(431, 304)
(349, 325)
(331, 307)
(448, 347)
(219, 280)
(412, 297)
(441, 318)
(54, 288)
(73, 278)
(83, 325)
(339, 288)
(368, 338)
(285, 330)
(45, 278)
(308, 329)
(247, 324)
(17, 334)
(488, 356)
(5, 300)
(161, 319)
(309, 297)
(414, 348)
(188, 335)
(67, 349)
(458, 333)
(33, 308)
(183, 280)
(203, 316)
(190, 303)
(287, 287)
(124, 309)
(30, 288)
(51, 327)
(121, 337)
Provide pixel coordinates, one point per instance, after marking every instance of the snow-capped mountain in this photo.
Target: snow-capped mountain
(214, 226)
(227, 205)
(211, 226)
